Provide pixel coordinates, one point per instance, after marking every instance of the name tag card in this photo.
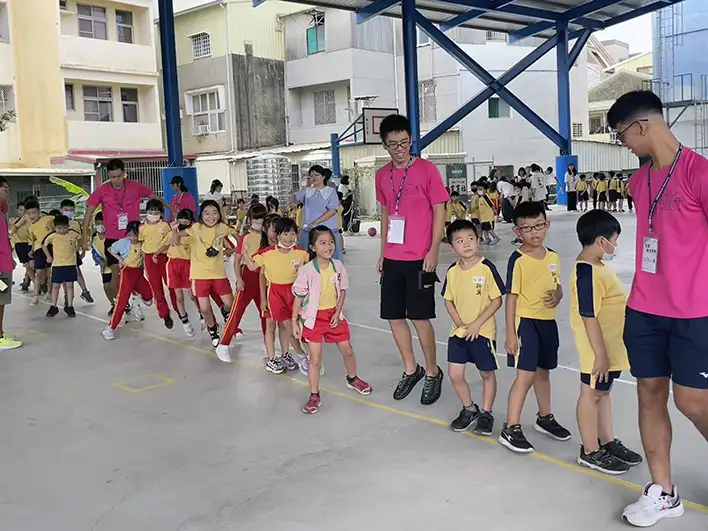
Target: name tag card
(650, 254)
(122, 221)
(396, 229)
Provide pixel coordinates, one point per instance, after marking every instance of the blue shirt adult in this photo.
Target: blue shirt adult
(316, 202)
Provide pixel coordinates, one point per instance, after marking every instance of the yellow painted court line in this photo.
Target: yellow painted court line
(163, 381)
(408, 414)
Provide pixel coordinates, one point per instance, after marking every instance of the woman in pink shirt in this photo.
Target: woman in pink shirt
(181, 198)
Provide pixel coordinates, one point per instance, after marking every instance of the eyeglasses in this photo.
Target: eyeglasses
(394, 146)
(535, 228)
(620, 135)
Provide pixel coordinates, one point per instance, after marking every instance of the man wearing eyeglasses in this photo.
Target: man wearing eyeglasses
(412, 197)
(666, 323)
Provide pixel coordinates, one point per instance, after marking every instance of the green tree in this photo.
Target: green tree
(6, 118)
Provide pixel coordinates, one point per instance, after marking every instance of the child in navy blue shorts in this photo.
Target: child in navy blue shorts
(473, 294)
(62, 254)
(533, 292)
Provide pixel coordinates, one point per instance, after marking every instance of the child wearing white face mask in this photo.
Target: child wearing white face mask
(597, 307)
(98, 252)
(68, 208)
(152, 233)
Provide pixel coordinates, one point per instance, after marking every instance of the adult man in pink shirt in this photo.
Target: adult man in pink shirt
(412, 197)
(666, 326)
(7, 266)
(120, 199)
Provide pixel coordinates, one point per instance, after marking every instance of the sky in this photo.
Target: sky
(637, 33)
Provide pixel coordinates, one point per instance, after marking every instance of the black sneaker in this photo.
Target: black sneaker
(113, 309)
(225, 313)
(485, 424)
(70, 311)
(432, 388)
(602, 461)
(24, 287)
(52, 311)
(621, 452)
(548, 425)
(43, 288)
(86, 295)
(465, 419)
(169, 323)
(514, 439)
(407, 383)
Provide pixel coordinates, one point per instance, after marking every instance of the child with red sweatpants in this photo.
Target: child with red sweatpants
(128, 251)
(151, 235)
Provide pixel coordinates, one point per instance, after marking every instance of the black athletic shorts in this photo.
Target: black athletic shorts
(407, 292)
(110, 259)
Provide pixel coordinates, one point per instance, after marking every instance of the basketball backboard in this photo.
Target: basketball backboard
(372, 120)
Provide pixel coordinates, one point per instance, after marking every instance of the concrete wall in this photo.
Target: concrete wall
(617, 85)
(301, 109)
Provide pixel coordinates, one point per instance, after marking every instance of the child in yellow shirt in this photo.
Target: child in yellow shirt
(65, 243)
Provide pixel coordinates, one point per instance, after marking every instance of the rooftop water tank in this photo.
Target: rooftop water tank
(269, 174)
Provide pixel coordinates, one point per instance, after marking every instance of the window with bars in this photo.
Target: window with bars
(4, 23)
(92, 21)
(98, 104)
(325, 107)
(496, 36)
(7, 98)
(315, 34)
(129, 101)
(498, 108)
(427, 101)
(208, 112)
(124, 26)
(577, 130)
(201, 45)
(69, 97)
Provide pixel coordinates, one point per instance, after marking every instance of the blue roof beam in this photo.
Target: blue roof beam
(374, 8)
(588, 9)
(639, 12)
(578, 47)
(470, 15)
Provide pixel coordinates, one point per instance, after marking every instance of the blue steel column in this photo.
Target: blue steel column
(564, 118)
(173, 127)
(336, 164)
(410, 66)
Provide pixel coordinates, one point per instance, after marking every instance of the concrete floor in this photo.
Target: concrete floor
(152, 432)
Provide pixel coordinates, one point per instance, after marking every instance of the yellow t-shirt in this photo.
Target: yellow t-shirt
(474, 207)
(299, 216)
(152, 235)
(249, 243)
(596, 291)
(340, 209)
(39, 230)
(18, 234)
(581, 186)
(64, 247)
(471, 291)
(614, 184)
(328, 293)
(176, 251)
(458, 210)
(199, 237)
(493, 194)
(486, 209)
(601, 186)
(99, 244)
(281, 267)
(240, 218)
(135, 257)
(530, 279)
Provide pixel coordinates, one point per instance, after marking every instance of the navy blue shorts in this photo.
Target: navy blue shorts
(665, 347)
(588, 379)
(40, 259)
(481, 352)
(538, 345)
(61, 274)
(22, 251)
(107, 277)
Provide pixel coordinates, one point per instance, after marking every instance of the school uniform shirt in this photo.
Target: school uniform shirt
(328, 290)
(18, 234)
(248, 243)
(64, 247)
(130, 253)
(486, 209)
(581, 186)
(299, 216)
(572, 182)
(538, 185)
(98, 245)
(152, 235)
(340, 209)
(279, 267)
(474, 207)
(471, 291)
(199, 237)
(180, 251)
(596, 292)
(39, 230)
(530, 279)
(601, 186)
(240, 218)
(614, 185)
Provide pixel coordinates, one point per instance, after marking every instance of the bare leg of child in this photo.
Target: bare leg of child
(270, 338)
(55, 293)
(69, 290)
(489, 389)
(605, 429)
(459, 384)
(587, 414)
(517, 395)
(542, 389)
(291, 338)
(313, 376)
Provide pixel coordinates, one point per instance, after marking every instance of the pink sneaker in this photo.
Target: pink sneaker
(312, 406)
(359, 385)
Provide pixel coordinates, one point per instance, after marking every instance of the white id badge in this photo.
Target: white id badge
(122, 221)
(396, 229)
(650, 254)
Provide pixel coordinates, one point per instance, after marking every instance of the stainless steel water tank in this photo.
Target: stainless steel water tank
(269, 174)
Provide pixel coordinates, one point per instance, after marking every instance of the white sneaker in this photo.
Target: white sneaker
(137, 314)
(653, 506)
(108, 333)
(302, 363)
(222, 351)
(238, 335)
(35, 301)
(188, 329)
(146, 303)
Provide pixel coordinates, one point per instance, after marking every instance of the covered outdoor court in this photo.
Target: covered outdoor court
(152, 432)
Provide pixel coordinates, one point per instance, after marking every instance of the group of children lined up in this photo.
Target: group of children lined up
(608, 192)
(298, 293)
(482, 210)
(473, 291)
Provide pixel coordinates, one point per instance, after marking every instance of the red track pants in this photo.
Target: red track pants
(131, 280)
(157, 276)
(251, 292)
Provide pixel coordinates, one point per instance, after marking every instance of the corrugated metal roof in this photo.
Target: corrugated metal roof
(507, 18)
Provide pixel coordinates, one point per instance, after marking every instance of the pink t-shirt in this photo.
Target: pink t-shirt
(178, 202)
(423, 189)
(125, 200)
(7, 263)
(679, 289)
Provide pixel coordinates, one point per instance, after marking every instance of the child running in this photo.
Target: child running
(65, 243)
(68, 209)
(533, 293)
(128, 251)
(152, 233)
(597, 307)
(98, 252)
(41, 225)
(206, 240)
(20, 239)
(487, 215)
(320, 289)
(279, 265)
(473, 294)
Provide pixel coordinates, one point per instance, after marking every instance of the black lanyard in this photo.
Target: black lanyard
(403, 181)
(115, 195)
(663, 187)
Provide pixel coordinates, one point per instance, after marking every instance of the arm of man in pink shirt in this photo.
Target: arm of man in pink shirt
(381, 198)
(438, 196)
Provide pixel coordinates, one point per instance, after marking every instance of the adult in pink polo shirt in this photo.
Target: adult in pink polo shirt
(666, 324)
(7, 266)
(412, 198)
(181, 198)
